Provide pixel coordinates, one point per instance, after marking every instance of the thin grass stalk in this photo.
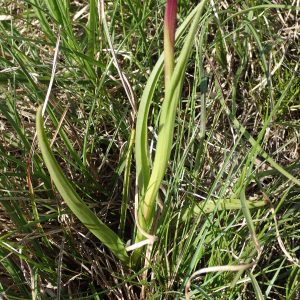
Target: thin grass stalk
(143, 36)
(256, 147)
(13, 271)
(126, 184)
(203, 78)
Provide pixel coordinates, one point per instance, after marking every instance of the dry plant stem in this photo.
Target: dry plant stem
(219, 269)
(51, 144)
(264, 81)
(45, 103)
(228, 54)
(53, 102)
(125, 82)
(280, 242)
(150, 247)
(59, 124)
(59, 269)
(53, 72)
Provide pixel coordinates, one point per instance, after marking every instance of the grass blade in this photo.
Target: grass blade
(92, 29)
(126, 184)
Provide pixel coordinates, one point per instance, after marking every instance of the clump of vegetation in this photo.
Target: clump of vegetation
(170, 125)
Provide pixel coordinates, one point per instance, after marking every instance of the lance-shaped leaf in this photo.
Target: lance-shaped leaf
(224, 204)
(166, 128)
(167, 121)
(78, 207)
(141, 141)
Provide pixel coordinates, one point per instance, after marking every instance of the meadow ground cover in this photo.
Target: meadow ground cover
(169, 124)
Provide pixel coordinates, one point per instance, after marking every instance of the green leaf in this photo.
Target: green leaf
(78, 207)
(167, 120)
(141, 140)
(224, 204)
(149, 186)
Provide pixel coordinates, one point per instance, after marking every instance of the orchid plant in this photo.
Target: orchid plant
(149, 180)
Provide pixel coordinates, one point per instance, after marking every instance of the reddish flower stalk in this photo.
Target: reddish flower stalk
(169, 39)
